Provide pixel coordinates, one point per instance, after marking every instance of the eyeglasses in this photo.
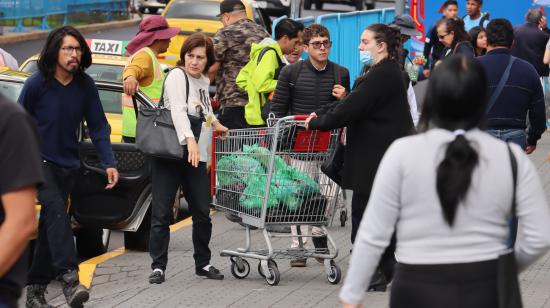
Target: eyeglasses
(442, 36)
(70, 49)
(317, 45)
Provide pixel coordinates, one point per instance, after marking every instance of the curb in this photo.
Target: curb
(36, 35)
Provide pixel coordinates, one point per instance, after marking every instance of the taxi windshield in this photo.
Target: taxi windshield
(10, 89)
(103, 72)
(192, 10)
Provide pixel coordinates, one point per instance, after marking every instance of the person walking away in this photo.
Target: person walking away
(433, 48)
(521, 96)
(530, 42)
(478, 39)
(232, 46)
(464, 188)
(186, 95)
(376, 110)
(259, 76)
(20, 176)
(59, 97)
(407, 29)
(143, 70)
(302, 88)
(474, 17)
(452, 35)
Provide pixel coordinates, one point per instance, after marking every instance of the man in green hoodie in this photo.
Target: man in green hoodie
(259, 76)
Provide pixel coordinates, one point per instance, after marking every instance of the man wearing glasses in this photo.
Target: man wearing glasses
(59, 97)
(303, 88)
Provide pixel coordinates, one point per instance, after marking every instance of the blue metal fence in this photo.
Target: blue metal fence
(345, 30)
(20, 9)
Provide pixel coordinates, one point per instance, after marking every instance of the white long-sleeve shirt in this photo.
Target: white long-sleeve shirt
(404, 198)
(199, 102)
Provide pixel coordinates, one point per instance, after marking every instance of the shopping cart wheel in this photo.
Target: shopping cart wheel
(240, 268)
(274, 276)
(270, 263)
(335, 273)
(343, 218)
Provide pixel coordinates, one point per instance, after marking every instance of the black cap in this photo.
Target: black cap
(228, 6)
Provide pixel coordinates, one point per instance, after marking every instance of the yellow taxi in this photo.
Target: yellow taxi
(200, 16)
(108, 63)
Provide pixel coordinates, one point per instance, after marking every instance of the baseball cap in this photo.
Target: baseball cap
(406, 25)
(228, 6)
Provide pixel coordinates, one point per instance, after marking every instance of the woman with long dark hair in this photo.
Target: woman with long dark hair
(450, 210)
(186, 95)
(478, 39)
(375, 113)
(433, 49)
(452, 35)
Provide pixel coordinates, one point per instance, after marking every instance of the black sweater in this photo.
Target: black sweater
(312, 90)
(376, 113)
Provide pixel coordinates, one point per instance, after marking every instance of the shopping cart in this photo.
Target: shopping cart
(271, 176)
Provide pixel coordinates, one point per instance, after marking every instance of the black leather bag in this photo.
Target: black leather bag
(155, 132)
(509, 294)
(334, 164)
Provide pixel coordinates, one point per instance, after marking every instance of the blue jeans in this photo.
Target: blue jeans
(514, 135)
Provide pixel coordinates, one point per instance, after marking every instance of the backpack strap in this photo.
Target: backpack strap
(337, 71)
(485, 16)
(296, 69)
(266, 49)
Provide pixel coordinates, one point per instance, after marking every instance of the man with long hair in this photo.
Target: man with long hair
(59, 97)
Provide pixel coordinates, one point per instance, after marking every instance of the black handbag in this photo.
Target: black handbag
(155, 132)
(332, 167)
(509, 294)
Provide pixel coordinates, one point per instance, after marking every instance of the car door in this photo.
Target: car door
(91, 204)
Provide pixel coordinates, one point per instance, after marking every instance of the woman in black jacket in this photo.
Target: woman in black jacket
(452, 35)
(376, 113)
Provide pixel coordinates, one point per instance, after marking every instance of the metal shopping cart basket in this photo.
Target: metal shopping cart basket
(271, 176)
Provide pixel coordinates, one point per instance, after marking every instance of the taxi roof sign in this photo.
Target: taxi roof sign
(108, 47)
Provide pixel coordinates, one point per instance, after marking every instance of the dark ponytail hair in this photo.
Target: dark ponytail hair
(388, 35)
(456, 99)
(455, 25)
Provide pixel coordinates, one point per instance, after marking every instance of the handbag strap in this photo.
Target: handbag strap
(161, 101)
(514, 164)
(501, 84)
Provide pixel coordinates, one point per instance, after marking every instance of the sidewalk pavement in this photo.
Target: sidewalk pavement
(123, 281)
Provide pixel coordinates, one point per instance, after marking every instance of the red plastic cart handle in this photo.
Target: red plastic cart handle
(301, 117)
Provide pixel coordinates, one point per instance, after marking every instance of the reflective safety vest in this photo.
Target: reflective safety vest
(153, 91)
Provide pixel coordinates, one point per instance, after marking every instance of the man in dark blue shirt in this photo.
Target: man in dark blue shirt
(521, 95)
(59, 97)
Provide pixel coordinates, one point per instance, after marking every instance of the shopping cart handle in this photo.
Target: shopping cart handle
(301, 117)
(215, 134)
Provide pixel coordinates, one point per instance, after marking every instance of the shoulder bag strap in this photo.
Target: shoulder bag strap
(337, 74)
(514, 165)
(501, 84)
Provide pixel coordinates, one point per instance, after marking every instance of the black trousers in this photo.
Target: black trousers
(463, 285)
(387, 261)
(55, 253)
(167, 176)
(232, 117)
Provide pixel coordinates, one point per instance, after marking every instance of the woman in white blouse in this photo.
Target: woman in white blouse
(186, 95)
(447, 193)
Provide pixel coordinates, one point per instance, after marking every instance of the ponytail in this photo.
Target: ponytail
(454, 175)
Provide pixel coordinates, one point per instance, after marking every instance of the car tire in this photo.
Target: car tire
(139, 240)
(370, 6)
(307, 4)
(142, 10)
(319, 5)
(89, 242)
(153, 10)
(359, 5)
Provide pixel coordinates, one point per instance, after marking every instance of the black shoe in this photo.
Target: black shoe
(156, 277)
(211, 273)
(35, 296)
(75, 293)
(232, 217)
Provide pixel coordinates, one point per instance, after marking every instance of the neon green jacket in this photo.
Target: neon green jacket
(257, 79)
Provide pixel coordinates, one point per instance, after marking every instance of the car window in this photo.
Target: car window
(101, 72)
(192, 10)
(10, 89)
(111, 101)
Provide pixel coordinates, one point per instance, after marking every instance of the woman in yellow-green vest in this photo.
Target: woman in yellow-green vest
(143, 71)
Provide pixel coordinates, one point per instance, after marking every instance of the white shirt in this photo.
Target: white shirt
(199, 102)
(404, 197)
